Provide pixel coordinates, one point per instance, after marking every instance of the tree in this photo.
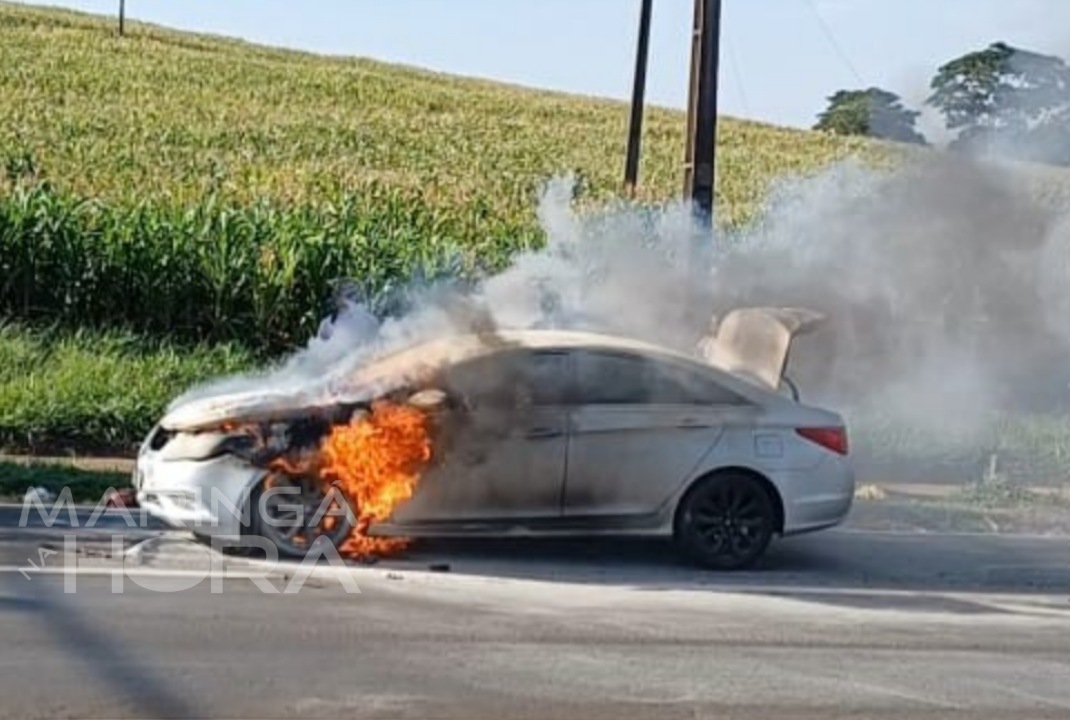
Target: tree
(1007, 98)
(872, 112)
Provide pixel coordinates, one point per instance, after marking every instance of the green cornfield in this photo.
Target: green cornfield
(209, 189)
(219, 271)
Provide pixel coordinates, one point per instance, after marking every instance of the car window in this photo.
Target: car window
(543, 377)
(692, 387)
(611, 378)
(511, 379)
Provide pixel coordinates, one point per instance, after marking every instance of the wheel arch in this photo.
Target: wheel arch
(251, 488)
(767, 484)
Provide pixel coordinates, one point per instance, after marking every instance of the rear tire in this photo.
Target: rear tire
(725, 522)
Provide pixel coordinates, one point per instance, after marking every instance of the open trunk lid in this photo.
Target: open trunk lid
(755, 342)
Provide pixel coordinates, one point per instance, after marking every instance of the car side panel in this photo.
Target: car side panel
(628, 459)
(501, 452)
(512, 468)
(815, 486)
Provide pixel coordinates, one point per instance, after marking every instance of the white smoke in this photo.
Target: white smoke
(944, 280)
(585, 276)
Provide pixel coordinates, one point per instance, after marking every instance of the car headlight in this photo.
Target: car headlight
(207, 446)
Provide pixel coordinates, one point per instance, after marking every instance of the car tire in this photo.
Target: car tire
(725, 522)
(263, 526)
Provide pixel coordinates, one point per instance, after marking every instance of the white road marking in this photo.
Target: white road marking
(1018, 692)
(547, 597)
(1054, 604)
(120, 570)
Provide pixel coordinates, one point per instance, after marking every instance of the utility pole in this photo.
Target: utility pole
(122, 17)
(635, 129)
(700, 158)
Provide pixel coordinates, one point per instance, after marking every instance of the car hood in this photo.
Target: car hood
(755, 342)
(347, 383)
(286, 403)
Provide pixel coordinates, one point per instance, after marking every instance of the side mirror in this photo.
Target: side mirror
(428, 400)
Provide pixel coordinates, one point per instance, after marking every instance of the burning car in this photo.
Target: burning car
(534, 432)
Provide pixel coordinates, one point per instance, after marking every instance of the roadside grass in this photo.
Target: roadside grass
(1000, 492)
(99, 393)
(86, 486)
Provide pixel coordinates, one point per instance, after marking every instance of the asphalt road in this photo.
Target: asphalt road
(836, 625)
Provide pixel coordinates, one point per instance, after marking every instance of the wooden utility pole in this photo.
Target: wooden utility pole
(122, 17)
(700, 157)
(635, 129)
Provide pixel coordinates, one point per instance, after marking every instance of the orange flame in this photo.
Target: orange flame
(376, 461)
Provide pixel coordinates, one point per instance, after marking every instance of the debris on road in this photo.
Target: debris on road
(127, 497)
(870, 492)
(40, 494)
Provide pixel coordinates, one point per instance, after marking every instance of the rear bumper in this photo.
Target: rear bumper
(818, 498)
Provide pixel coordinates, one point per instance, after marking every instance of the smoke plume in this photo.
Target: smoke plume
(944, 281)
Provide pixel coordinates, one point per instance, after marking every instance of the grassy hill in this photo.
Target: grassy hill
(168, 115)
(229, 182)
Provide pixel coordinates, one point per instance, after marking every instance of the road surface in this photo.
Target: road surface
(836, 625)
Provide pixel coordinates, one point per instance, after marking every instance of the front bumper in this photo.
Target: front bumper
(205, 496)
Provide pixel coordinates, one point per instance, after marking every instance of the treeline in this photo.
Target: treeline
(1000, 100)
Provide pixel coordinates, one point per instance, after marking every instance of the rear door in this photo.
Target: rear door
(639, 428)
(501, 454)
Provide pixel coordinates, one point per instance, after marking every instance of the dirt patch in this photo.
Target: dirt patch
(943, 515)
(91, 464)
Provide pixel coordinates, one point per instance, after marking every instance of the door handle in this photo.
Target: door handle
(692, 424)
(544, 432)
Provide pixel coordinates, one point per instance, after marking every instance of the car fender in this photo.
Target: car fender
(734, 449)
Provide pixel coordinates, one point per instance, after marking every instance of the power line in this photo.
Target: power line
(833, 42)
(737, 75)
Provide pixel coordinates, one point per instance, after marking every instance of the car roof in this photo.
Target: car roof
(470, 345)
(456, 348)
(389, 371)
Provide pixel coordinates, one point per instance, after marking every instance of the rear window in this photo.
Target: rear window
(620, 379)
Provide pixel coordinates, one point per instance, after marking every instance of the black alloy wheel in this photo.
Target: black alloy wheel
(726, 522)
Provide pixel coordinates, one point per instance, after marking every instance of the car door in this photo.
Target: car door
(500, 451)
(639, 428)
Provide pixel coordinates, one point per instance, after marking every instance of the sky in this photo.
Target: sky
(780, 59)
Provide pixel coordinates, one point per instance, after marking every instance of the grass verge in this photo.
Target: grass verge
(86, 486)
(94, 393)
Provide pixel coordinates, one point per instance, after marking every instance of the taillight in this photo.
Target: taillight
(830, 438)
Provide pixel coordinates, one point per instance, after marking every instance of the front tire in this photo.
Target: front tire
(295, 517)
(725, 522)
